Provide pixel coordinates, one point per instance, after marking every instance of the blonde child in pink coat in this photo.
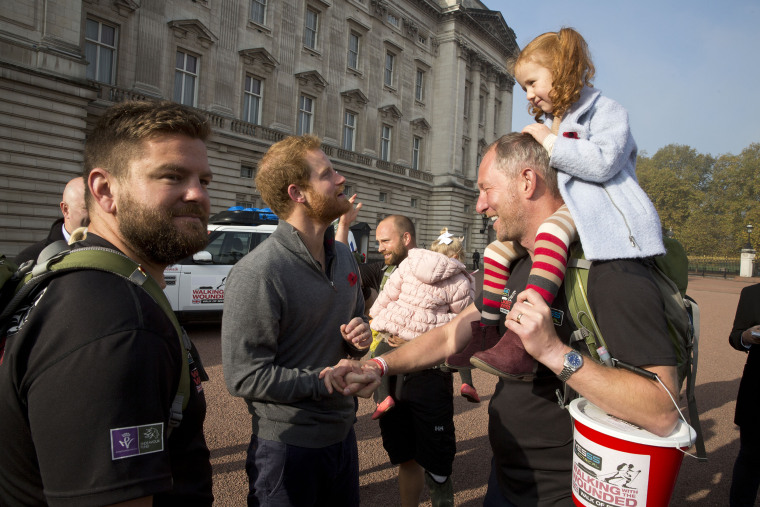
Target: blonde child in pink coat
(427, 290)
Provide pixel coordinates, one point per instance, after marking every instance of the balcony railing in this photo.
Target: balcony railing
(114, 94)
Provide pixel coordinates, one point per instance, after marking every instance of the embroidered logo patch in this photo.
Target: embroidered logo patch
(507, 299)
(557, 316)
(136, 440)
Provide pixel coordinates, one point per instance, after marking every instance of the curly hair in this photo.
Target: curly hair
(284, 164)
(118, 135)
(453, 249)
(566, 55)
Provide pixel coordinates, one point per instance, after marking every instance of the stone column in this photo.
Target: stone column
(489, 129)
(474, 114)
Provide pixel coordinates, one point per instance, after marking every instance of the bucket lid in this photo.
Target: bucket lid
(588, 414)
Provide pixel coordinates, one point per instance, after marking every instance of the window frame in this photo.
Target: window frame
(356, 53)
(349, 129)
(386, 143)
(416, 152)
(305, 114)
(308, 30)
(419, 85)
(249, 95)
(388, 73)
(183, 73)
(264, 8)
(99, 45)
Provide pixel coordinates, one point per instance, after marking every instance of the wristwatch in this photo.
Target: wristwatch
(573, 363)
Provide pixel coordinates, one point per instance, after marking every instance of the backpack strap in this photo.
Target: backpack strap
(57, 259)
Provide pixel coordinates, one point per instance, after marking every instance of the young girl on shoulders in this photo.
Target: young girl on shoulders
(589, 142)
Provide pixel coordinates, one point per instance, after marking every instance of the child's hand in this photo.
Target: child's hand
(539, 131)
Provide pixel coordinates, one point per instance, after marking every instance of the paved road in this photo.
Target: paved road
(704, 484)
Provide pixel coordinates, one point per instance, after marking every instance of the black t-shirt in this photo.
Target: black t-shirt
(86, 383)
(531, 436)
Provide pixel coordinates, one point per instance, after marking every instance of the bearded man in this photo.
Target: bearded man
(93, 365)
(293, 307)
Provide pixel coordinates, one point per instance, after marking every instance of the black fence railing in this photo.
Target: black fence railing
(714, 266)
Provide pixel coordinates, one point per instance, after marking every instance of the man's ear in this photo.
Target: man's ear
(102, 185)
(64, 210)
(296, 194)
(527, 182)
(406, 238)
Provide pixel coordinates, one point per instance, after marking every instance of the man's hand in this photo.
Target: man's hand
(347, 218)
(350, 378)
(357, 332)
(748, 338)
(531, 319)
(539, 131)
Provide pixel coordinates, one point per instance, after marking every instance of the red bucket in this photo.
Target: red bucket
(618, 464)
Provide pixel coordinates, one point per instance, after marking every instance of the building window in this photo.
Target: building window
(246, 171)
(349, 130)
(353, 50)
(416, 150)
(259, 11)
(348, 190)
(185, 78)
(419, 86)
(466, 100)
(385, 143)
(310, 29)
(413, 203)
(390, 60)
(305, 115)
(482, 110)
(422, 39)
(243, 200)
(383, 197)
(393, 20)
(100, 51)
(252, 100)
(467, 208)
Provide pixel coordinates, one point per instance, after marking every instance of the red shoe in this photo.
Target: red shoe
(483, 338)
(470, 393)
(383, 407)
(507, 359)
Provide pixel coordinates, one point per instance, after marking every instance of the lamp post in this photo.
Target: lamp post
(485, 219)
(748, 246)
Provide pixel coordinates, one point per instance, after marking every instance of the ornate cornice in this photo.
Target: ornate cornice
(183, 28)
(259, 57)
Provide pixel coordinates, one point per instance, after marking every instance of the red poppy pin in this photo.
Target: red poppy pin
(352, 279)
(571, 135)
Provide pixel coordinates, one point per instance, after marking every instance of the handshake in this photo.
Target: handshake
(352, 378)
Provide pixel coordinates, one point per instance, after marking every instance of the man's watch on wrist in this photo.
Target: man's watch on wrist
(573, 363)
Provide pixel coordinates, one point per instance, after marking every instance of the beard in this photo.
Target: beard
(325, 209)
(152, 234)
(396, 256)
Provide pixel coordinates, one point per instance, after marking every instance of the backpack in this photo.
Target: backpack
(18, 283)
(670, 274)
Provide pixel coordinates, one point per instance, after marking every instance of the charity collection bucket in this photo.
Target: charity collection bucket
(616, 463)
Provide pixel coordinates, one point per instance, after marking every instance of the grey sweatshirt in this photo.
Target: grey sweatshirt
(281, 327)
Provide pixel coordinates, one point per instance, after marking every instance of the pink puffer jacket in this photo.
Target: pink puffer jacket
(426, 291)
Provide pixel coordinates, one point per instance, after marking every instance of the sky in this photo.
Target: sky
(688, 72)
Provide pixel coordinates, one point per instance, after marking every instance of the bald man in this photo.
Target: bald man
(74, 214)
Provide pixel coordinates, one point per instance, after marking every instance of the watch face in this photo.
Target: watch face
(574, 360)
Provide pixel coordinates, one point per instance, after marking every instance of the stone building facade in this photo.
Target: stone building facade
(403, 93)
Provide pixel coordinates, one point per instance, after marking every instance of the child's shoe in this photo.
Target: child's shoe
(383, 407)
(507, 358)
(470, 393)
(483, 338)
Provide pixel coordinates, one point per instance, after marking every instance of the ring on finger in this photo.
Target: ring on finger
(519, 316)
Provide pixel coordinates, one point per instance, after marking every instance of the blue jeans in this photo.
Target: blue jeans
(282, 475)
(493, 497)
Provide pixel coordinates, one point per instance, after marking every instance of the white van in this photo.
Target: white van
(195, 285)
